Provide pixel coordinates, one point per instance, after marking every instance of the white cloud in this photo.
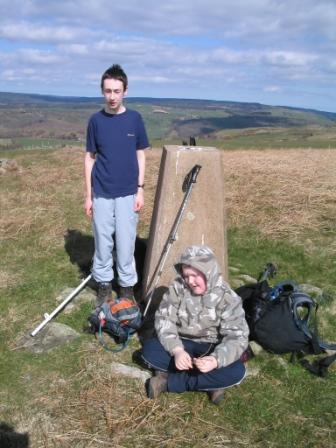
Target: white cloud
(289, 58)
(74, 49)
(275, 20)
(154, 79)
(271, 89)
(213, 49)
(24, 31)
(33, 56)
(26, 74)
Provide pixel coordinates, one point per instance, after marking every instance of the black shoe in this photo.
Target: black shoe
(89, 328)
(247, 355)
(126, 292)
(216, 396)
(157, 384)
(104, 292)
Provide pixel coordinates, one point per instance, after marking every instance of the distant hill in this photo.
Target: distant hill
(47, 116)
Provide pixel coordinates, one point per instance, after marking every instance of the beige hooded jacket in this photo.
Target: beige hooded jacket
(216, 317)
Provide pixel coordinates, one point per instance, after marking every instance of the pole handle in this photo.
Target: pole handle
(191, 178)
(194, 173)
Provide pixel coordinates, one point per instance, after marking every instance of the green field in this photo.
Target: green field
(69, 397)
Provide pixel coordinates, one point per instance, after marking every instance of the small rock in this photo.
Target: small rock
(252, 371)
(236, 283)
(129, 371)
(281, 361)
(247, 278)
(256, 348)
(52, 335)
(8, 165)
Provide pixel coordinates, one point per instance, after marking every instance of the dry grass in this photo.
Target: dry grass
(283, 193)
(35, 204)
(49, 189)
(114, 411)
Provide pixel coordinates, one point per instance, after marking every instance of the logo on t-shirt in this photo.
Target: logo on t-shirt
(130, 135)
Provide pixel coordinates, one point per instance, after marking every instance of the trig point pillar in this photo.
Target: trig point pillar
(203, 220)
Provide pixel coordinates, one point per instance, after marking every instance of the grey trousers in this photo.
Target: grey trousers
(114, 217)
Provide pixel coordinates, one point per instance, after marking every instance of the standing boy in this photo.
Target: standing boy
(114, 179)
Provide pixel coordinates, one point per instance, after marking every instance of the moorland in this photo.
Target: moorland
(29, 120)
(280, 182)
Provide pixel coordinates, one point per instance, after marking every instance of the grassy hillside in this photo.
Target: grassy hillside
(281, 208)
(216, 123)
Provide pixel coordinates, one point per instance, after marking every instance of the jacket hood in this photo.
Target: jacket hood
(203, 259)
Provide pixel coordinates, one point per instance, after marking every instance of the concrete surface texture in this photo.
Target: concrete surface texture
(203, 217)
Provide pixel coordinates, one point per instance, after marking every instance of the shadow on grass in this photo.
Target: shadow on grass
(80, 248)
(11, 439)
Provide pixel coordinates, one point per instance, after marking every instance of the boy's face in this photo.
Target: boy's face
(195, 280)
(113, 91)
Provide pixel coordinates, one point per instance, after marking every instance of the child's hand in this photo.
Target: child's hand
(88, 207)
(206, 364)
(139, 200)
(182, 359)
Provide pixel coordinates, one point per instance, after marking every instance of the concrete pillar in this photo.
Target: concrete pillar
(203, 220)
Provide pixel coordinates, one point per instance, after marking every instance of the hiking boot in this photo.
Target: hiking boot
(157, 384)
(104, 292)
(216, 396)
(126, 292)
(247, 355)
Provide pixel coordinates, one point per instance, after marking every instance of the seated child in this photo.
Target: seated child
(201, 331)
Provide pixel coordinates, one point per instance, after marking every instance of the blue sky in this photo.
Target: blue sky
(277, 52)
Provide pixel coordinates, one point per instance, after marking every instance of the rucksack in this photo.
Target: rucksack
(283, 319)
(120, 318)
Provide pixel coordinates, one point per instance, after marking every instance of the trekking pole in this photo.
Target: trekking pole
(188, 183)
(48, 317)
(270, 271)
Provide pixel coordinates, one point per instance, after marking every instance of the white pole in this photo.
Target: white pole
(48, 317)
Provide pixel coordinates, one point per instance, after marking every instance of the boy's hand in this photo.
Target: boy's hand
(206, 364)
(182, 359)
(88, 207)
(139, 200)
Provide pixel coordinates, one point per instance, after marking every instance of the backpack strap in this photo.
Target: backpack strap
(320, 366)
(327, 346)
(299, 299)
(122, 346)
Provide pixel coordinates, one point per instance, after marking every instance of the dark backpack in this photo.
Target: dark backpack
(120, 318)
(282, 319)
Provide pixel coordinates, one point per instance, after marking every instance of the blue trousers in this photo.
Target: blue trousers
(114, 217)
(156, 357)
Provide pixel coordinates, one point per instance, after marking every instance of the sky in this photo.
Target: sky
(276, 52)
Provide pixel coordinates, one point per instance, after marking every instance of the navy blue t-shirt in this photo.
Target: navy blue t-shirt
(115, 138)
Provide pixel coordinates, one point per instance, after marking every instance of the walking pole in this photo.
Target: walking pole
(188, 183)
(48, 317)
(270, 271)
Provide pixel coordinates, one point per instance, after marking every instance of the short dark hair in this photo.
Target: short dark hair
(115, 72)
